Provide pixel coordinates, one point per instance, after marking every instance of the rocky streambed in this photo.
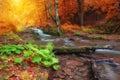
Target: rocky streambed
(74, 66)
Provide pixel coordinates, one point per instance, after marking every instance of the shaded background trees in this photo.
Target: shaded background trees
(39, 13)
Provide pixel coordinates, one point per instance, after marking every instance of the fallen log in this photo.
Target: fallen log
(82, 49)
(69, 50)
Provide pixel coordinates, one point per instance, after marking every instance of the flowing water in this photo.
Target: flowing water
(69, 42)
(108, 51)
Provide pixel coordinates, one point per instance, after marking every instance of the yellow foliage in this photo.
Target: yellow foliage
(6, 27)
(22, 13)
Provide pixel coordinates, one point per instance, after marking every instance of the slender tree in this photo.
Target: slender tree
(81, 12)
(57, 17)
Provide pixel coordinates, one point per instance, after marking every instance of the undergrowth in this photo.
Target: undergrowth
(77, 33)
(38, 54)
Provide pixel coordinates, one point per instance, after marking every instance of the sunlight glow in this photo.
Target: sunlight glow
(16, 2)
(22, 13)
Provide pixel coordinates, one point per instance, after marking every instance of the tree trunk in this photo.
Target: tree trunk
(57, 17)
(81, 12)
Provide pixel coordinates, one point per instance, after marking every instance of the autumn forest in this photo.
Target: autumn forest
(59, 39)
(39, 13)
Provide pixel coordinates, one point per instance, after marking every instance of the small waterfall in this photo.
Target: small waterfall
(40, 32)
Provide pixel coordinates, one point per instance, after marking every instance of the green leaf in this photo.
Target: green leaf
(9, 53)
(20, 47)
(54, 60)
(45, 51)
(13, 49)
(47, 63)
(17, 51)
(36, 59)
(18, 60)
(28, 53)
(50, 46)
(56, 67)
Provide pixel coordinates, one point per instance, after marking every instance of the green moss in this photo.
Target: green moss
(77, 33)
(91, 30)
(52, 31)
(95, 37)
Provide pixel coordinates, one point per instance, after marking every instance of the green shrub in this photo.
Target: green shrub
(11, 49)
(45, 56)
(56, 67)
(38, 55)
(18, 60)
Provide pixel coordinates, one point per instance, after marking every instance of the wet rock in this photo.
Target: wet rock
(109, 46)
(68, 63)
(74, 55)
(61, 72)
(24, 66)
(67, 71)
(61, 76)
(69, 44)
(76, 77)
(84, 74)
(81, 64)
(70, 77)
(74, 63)
(78, 73)
(71, 39)
(57, 39)
(47, 40)
(71, 67)
(83, 69)
(84, 41)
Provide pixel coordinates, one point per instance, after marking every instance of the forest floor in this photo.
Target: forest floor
(72, 66)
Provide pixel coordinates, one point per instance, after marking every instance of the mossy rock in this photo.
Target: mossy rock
(52, 31)
(97, 37)
(77, 33)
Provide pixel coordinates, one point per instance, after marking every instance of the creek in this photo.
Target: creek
(66, 41)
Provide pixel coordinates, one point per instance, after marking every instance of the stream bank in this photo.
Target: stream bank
(69, 40)
(73, 67)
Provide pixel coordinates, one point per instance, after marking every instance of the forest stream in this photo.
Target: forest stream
(99, 63)
(74, 67)
(59, 39)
